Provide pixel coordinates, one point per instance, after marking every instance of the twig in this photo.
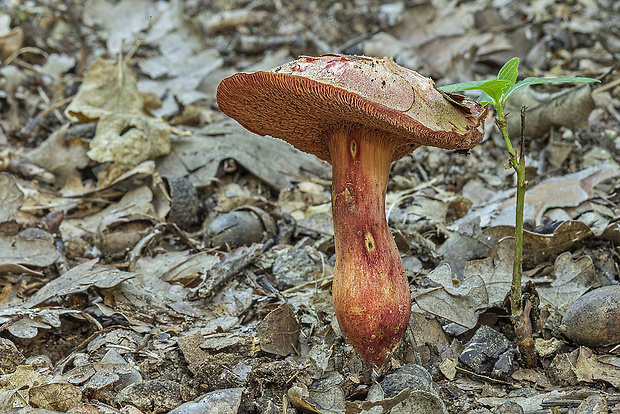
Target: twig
(27, 129)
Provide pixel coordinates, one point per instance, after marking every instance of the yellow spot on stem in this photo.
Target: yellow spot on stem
(370, 242)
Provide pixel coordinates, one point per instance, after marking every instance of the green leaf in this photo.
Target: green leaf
(536, 81)
(485, 99)
(463, 86)
(494, 87)
(509, 71)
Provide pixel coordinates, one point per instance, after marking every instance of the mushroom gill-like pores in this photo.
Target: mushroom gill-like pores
(359, 114)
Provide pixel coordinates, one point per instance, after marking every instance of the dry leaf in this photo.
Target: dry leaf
(108, 87)
(572, 279)
(60, 156)
(568, 108)
(59, 396)
(129, 139)
(589, 367)
(455, 302)
(279, 332)
(538, 247)
(30, 247)
(121, 21)
(11, 42)
(273, 161)
(124, 135)
(11, 199)
(181, 267)
(78, 279)
(496, 271)
(565, 191)
(14, 387)
(25, 323)
(220, 401)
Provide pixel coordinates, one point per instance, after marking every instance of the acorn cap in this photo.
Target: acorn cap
(303, 100)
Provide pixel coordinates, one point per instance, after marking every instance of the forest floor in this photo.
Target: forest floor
(157, 257)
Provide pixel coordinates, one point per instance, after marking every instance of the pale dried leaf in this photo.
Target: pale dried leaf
(59, 396)
(78, 279)
(31, 247)
(129, 139)
(591, 368)
(59, 156)
(455, 301)
(496, 271)
(25, 323)
(139, 200)
(538, 247)
(220, 401)
(177, 266)
(572, 279)
(11, 198)
(108, 87)
(273, 161)
(567, 108)
(564, 191)
(121, 21)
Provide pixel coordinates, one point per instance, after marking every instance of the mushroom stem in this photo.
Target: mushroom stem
(370, 290)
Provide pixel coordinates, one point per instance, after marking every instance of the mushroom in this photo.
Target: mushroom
(359, 114)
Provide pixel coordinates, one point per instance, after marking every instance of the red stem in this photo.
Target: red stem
(370, 290)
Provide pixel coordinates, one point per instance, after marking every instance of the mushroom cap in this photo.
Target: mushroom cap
(303, 100)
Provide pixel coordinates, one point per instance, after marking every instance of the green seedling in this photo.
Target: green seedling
(496, 92)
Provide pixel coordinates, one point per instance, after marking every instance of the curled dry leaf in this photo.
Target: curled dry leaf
(96, 376)
(538, 247)
(496, 270)
(330, 401)
(138, 200)
(230, 266)
(406, 401)
(225, 401)
(582, 365)
(119, 232)
(125, 135)
(11, 42)
(14, 387)
(181, 267)
(25, 323)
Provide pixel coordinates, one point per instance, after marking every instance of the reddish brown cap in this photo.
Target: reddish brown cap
(301, 101)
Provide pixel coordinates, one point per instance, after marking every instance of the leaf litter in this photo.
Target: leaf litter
(137, 308)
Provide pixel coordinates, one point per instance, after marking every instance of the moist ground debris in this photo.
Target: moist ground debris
(157, 257)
